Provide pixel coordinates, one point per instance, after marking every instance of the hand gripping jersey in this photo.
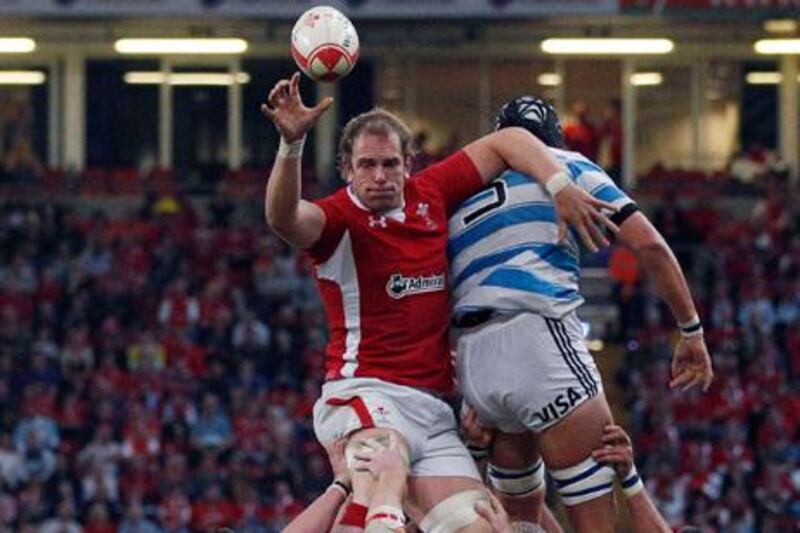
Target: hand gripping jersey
(383, 279)
(504, 248)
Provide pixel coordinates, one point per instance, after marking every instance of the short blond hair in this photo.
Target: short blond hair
(377, 121)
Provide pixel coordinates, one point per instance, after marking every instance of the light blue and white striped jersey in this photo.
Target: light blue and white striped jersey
(504, 250)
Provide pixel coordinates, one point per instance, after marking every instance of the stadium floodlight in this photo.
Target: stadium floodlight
(763, 78)
(780, 26)
(644, 79)
(185, 78)
(603, 46)
(22, 77)
(549, 79)
(180, 46)
(17, 45)
(778, 46)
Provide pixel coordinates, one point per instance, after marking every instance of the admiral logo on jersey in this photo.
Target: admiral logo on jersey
(400, 286)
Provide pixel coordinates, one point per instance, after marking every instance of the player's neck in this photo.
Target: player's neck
(361, 205)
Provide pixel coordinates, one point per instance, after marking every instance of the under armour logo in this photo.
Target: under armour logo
(377, 221)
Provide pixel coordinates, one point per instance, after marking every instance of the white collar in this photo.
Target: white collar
(398, 213)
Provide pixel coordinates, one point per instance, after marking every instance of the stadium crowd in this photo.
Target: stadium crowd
(158, 366)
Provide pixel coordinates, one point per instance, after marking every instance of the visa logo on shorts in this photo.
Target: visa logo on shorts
(558, 407)
(400, 286)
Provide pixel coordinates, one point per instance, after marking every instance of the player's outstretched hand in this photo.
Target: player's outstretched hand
(494, 513)
(288, 112)
(338, 460)
(691, 364)
(376, 458)
(616, 451)
(473, 432)
(579, 209)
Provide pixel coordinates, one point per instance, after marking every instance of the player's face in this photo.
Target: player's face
(378, 171)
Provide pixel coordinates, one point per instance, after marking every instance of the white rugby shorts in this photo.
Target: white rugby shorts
(525, 371)
(427, 423)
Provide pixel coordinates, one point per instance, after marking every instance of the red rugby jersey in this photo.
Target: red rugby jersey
(383, 279)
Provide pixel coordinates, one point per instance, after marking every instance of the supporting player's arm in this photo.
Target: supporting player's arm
(618, 452)
(320, 515)
(691, 364)
(297, 221)
(518, 149)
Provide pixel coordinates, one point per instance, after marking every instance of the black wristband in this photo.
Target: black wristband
(342, 485)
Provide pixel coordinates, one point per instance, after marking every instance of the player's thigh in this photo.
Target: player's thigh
(573, 439)
(570, 443)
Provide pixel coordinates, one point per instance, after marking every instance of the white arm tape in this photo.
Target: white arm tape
(385, 518)
(632, 484)
(292, 150)
(557, 183)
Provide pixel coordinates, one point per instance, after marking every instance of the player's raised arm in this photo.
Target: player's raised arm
(691, 364)
(520, 150)
(298, 222)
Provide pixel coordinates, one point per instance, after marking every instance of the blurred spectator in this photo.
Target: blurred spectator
(63, 523)
(580, 135)
(610, 152)
(213, 427)
(136, 522)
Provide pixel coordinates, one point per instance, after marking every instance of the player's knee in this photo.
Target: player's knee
(453, 513)
(517, 482)
(584, 481)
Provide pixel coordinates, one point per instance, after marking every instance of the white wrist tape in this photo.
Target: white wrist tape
(557, 183)
(691, 328)
(387, 517)
(292, 150)
(632, 484)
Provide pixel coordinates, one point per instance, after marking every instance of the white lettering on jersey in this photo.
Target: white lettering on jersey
(400, 286)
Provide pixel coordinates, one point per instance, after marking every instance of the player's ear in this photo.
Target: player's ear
(345, 171)
(409, 161)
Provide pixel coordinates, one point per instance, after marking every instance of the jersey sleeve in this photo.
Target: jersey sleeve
(456, 178)
(594, 180)
(332, 233)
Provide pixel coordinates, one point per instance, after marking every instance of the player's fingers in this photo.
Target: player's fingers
(707, 380)
(681, 379)
(562, 231)
(602, 204)
(611, 455)
(600, 218)
(584, 234)
(697, 379)
(484, 511)
(323, 106)
(597, 236)
(496, 504)
(294, 86)
(270, 113)
(615, 437)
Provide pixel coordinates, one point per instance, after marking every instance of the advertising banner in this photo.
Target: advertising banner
(712, 7)
(373, 9)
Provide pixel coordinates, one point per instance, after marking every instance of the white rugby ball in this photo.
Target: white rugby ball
(324, 44)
